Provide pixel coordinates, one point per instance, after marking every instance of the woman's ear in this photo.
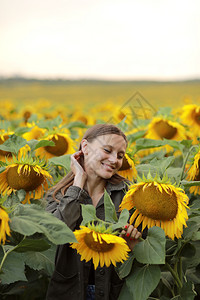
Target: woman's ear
(84, 146)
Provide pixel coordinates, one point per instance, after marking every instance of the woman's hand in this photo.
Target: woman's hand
(77, 169)
(131, 235)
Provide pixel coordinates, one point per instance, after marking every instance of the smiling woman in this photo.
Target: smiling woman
(93, 170)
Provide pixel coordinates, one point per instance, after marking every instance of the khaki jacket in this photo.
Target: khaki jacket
(70, 278)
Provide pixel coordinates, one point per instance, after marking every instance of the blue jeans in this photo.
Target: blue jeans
(90, 292)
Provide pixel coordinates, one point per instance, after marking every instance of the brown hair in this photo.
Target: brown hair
(91, 134)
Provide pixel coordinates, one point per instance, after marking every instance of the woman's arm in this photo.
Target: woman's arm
(68, 209)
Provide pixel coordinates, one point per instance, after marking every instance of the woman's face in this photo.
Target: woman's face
(104, 155)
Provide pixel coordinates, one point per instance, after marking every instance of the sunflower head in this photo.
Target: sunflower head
(25, 173)
(4, 136)
(63, 144)
(193, 173)
(163, 128)
(4, 225)
(100, 244)
(128, 169)
(157, 203)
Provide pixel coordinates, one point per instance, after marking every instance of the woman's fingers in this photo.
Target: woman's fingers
(131, 232)
(131, 235)
(75, 166)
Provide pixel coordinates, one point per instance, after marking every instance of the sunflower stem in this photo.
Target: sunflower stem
(180, 270)
(175, 275)
(6, 254)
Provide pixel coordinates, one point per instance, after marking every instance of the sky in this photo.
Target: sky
(100, 39)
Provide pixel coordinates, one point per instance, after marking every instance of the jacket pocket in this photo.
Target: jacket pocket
(62, 288)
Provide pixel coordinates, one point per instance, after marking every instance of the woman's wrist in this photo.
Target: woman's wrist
(79, 180)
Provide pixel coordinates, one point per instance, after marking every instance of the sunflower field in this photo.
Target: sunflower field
(163, 163)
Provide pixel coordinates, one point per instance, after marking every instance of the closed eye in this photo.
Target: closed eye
(106, 150)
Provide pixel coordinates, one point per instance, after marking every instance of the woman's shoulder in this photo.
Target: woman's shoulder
(123, 185)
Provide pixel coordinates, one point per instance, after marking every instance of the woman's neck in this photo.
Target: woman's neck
(95, 185)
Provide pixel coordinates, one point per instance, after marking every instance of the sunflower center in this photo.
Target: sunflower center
(60, 148)
(125, 165)
(164, 130)
(96, 245)
(2, 152)
(25, 180)
(83, 119)
(196, 117)
(121, 115)
(27, 115)
(156, 205)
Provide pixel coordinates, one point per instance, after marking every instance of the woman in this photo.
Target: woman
(93, 168)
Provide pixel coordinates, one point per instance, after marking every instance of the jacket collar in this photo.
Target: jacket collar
(110, 187)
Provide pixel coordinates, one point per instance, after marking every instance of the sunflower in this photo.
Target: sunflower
(194, 172)
(101, 245)
(128, 169)
(87, 119)
(63, 144)
(4, 136)
(4, 226)
(191, 117)
(25, 173)
(157, 204)
(162, 128)
(35, 132)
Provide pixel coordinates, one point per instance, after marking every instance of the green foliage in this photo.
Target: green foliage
(152, 249)
(141, 282)
(28, 219)
(157, 268)
(13, 144)
(62, 161)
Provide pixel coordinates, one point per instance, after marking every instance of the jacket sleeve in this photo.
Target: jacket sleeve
(68, 209)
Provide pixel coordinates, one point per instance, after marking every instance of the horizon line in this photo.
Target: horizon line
(58, 78)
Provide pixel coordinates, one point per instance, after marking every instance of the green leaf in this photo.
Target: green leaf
(123, 220)
(135, 136)
(13, 268)
(187, 291)
(188, 250)
(50, 124)
(28, 219)
(145, 169)
(34, 144)
(174, 173)
(125, 293)
(193, 226)
(22, 130)
(152, 249)
(142, 281)
(194, 260)
(32, 245)
(77, 124)
(13, 144)
(126, 266)
(145, 143)
(62, 161)
(110, 212)
(41, 260)
(88, 213)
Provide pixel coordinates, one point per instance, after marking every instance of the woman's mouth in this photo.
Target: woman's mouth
(108, 167)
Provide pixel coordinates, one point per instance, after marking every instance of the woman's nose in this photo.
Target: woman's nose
(113, 158)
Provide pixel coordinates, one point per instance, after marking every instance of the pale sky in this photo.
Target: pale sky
(102, 39)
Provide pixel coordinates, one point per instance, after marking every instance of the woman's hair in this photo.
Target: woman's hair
(91, 134)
